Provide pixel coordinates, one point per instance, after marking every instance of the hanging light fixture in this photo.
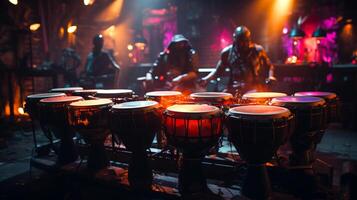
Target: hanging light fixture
(319, 33)
(297, 33)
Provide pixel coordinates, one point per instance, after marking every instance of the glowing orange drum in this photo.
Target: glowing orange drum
(53, 115)
(219, 99)
(257, 131)
(136, 123)
(332, 101)
(90, 119)
(260, 98)
(116, 95)
(68, 90)
(193, 129)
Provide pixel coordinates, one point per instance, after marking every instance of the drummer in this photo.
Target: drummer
(250, 67)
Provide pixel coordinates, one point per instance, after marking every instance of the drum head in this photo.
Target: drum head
(86, 92)
(325, 95)
(259, 112)
(45, 95)
(192, 110)
(91, 103)
(163, 94)
(62, 99)
(114, 93)
(298, 101)
(212, 95)
(135, 106)
(263, 95)
(67, 89)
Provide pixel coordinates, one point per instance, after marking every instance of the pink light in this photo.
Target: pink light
(285, 30)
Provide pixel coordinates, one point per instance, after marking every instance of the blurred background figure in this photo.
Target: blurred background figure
(101, 69)
(175, 68)
(69, 63)
(249, 66)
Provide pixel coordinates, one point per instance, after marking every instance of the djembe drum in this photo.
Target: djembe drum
(116, 95)
(53, 115)
(257, 131)
(31, 107)
(260, 98)
(136, 123)
(90, 119)
(310, 119)
(86, 94)
(67, 90)
(332, 101)
(165, 99)
(220, 99)
(193, 129)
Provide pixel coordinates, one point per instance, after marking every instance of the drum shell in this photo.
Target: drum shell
(135, 128)
(257, 140)
(31, 105)
(204, 132)
(90, 122)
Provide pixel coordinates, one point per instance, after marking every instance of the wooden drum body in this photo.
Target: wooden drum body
(31, 106)
(257, 131)
(136, 123)
(90, 119)
(193, 129)
(53, 116)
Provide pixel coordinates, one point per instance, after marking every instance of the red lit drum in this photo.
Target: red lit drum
(165, 98)
(32, 101)
(90, 119)
(193, 128)
(332, 101)
(68, 90)
(116, 95)
(136, 123)
(219, 99)
(53, 116)
(86, 94)
(260, 98)
(257, 131)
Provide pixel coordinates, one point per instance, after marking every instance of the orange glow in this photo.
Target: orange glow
(140, 45)
(15, 2)
(21, 110)
(347, 32)
(130, 47)
(291, 60)
(88, 2)
(35, 27)
(110, 31)
(71, 29)
(61, 32)
(112, 12)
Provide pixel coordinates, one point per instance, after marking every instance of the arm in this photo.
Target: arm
(268, 67)
(220, 67)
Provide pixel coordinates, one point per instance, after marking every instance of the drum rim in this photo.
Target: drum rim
(282, 111)
(280, 102)
(49, 95)
(277, 94)
(117, 108)
(206, 95)
(66, 89)
(114, 93)
(105, 102)
(169, 93)
(66, 99)
(321, 94)
(192, 115)
(88, 91)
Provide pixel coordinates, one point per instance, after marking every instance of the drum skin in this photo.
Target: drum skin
(218, 99)
(260, 98)
(90, 118)
(136, 126)
(86, 94)
(53, 113)
(164, 98)
(259, 132)
(191, 128)
(31, 105)
(67, 90)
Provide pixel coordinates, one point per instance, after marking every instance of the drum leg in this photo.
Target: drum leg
(97, 158)
(140, 172)
(191, 178)
(67, 152)
(303, 150)
(257, 183)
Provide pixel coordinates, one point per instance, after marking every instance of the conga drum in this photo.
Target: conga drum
(193, 129)
(310, 120)
(260, 98)
(67, 90)
(136, 123)
(220, 99)
(165, 99)
(116, 95)
(332, 101)
(257, 131)
(90, 119)
(53, 115)
(86, 94)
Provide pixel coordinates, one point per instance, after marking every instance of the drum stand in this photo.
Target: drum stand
(139, 171)
(67, 151)
(256, 184)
